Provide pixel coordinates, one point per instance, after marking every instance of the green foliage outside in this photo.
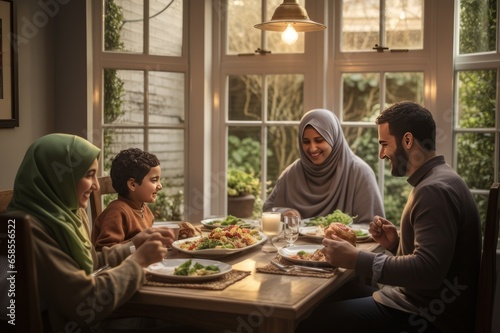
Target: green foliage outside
(244, 165)
(477, 95)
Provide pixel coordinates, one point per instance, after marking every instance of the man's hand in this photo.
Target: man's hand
(384, 232)
(339, 252)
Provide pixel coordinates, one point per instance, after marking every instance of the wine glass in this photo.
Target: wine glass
(291, 229)
(271, 226)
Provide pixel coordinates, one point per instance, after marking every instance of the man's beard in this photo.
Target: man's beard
(399, 162)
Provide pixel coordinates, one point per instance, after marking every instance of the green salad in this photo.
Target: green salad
(195, 269)
(336, 216)
(229, 220)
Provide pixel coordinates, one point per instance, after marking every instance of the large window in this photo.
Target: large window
(264, 85)
(476, 120)
(378, 39)
(142, 73)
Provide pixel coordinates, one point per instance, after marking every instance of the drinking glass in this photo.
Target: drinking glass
(271, 226)
(291, 229)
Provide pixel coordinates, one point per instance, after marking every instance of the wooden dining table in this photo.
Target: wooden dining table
(260, 302)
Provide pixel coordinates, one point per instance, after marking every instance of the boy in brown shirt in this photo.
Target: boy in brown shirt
(135, 175)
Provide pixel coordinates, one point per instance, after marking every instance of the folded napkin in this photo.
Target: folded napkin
(271, 269)
(218, 283)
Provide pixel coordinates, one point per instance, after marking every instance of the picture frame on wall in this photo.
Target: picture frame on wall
(9, 108)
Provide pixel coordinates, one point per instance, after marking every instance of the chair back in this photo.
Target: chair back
(106, 187)
(487, 275)
(5, 197)
(18, 263)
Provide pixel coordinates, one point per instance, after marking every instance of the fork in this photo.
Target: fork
(289, 268)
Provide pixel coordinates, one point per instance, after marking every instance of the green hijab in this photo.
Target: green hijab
(45, 187)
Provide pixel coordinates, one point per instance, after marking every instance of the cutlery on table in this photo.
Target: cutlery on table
(289, 268)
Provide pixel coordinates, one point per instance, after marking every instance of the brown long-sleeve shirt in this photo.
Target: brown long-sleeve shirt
(119, 222)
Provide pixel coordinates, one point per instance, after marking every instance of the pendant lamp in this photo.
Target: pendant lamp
(290, 18)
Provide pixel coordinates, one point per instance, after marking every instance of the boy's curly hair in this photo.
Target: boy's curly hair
(130, 163)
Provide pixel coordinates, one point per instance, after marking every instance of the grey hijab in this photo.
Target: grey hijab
(343, 181)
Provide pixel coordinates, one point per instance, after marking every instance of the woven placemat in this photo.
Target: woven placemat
(219, 283)
(271, 269)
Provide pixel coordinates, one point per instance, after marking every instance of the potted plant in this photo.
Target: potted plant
(242, 190)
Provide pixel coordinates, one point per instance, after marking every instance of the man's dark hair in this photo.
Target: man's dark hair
(410, 117)
(130, 163)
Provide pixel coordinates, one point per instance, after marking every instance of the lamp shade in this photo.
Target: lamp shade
(290, 12)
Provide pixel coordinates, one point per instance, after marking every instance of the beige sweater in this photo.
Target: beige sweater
(73, 299)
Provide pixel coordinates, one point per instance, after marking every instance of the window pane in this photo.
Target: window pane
(396, 192)
(285, 97)
(360, 96)
(404, 24)
(404, 86)
(476, 98)
(124, 97)
(118, 139)
(283, 149)
(165, 27)
(166, 98)
(364, 143)
(168, 146)
(360, 25)
(126, 19)
(244, 149)
(245, 97)
(478, 26)
(475, 159)
(242, 15)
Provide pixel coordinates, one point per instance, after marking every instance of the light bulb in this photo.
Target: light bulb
(289, 36)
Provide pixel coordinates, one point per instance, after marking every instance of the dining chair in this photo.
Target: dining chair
(106, 187)
(5, 197)
(18, 264)
(487, 274)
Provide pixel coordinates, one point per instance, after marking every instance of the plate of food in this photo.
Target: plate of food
(192, 270)
(309, 255)
(361, 234)
(336, 216)
(313, 232)
(221, 241)
(216, 222)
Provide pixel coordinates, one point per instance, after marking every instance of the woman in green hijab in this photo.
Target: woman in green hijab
(53, 184)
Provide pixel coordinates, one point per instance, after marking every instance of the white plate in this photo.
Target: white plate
(214, 252)
(365, 234)
(312, 232)
(305, 221)
(286, 252)
(248, 223)
(166, 268)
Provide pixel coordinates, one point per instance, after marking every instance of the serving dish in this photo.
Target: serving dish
(166, 268)
(214, 252)
(318, 233)
(211, 223)
(286, 252)
(361, 234)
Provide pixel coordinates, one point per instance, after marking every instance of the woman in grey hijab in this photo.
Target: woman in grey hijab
(328, 175)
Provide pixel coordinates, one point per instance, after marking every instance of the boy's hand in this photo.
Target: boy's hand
(163, 234)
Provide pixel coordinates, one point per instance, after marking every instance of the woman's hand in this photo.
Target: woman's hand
(163, 234)
(151, 251)
(384, 232)
(339, 252)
